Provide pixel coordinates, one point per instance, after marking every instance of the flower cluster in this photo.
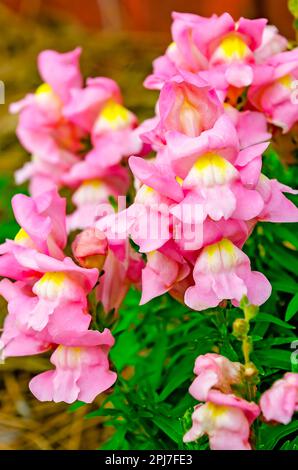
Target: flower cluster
(200, 198)
(47, 304)
(232, 56)
(227, 418)
(78, 136)
(195, 204)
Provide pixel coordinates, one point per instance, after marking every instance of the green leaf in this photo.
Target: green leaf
(275, 358)
(270, 436)
(117, 442)
(292, 308)
(172, 428)
(125, 349)
(267, 317)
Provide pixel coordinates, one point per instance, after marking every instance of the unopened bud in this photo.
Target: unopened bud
(250, 370)
(240, 328)
(90, 248)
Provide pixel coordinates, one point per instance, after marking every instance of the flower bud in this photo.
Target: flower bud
(240, 328)
(90, 248)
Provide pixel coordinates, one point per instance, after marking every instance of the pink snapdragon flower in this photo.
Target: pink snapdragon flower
(222, 271)
(82, 369)
(214, 372)
(98, 109)
(55, 283)
(42, 222)
(215, 174)
(274, 89)
(217, 47)
(280, 402)
(19, 338)
(164, 269)
(226, 419)
(272, 43)
(36, 259)
(186, 105)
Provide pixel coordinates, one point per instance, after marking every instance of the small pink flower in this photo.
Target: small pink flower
(281, 401)
(214, 372)
(226, 419)
(163, 270)
(61, 71)
(186, 105)
(222, 271)
(273, 89)
(217, 48)
(272, 43)
(82, 369)
(277, 207)
(43, 228)
(19, 338)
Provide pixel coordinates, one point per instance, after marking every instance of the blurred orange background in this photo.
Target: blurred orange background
(151, 15)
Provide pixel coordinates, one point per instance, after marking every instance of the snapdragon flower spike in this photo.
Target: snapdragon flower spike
(214, 372)
(57, 123)
(273, 91)
(217, 47)
(81, 369)
(226, 419)
(53, 141)
(222, 271)
(280, 402)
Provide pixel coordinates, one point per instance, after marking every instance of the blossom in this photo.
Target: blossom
(272, 43)
(281, 401)
(55, 283)
(187, 105)
(43, 229)
(214, 372)
(216, 47)
(19, 338)
(273, 89)
(226, 419)
(222, 271)
(81, 369)
(164, 268)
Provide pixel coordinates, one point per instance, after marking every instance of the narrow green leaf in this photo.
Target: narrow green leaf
(292, 308)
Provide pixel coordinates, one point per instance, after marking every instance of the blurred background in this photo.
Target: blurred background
(120, 38)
